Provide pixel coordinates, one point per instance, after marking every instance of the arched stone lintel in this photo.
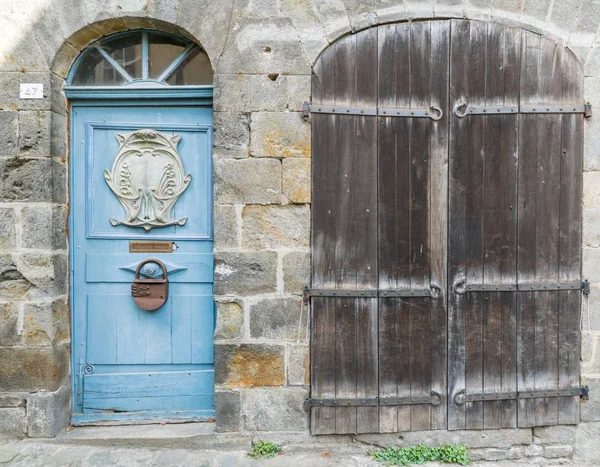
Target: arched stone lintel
(74, 44)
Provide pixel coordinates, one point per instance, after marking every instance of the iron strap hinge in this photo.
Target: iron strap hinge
(433, 292)
(462, 109)
(433, 112)
(461, 287)
(434, 400)
(461, 397)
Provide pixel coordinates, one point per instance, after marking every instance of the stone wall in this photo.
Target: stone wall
(262, 52)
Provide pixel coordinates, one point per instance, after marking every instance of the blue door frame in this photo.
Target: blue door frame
(130, 364)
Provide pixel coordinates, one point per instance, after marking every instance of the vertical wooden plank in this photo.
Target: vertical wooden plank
(569, 261)
(459, 70)
(527, 208)
(367, 418)
(499, 224)
(508, 190)
(323, 252)
(438, 215)
(394, 270)
(547, 230)
(419, 211)
(474, 224)
(493, 225)
(345, 233)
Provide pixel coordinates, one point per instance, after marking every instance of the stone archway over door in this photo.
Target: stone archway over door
(446, 240)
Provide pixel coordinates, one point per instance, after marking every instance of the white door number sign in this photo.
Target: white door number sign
(32, 91)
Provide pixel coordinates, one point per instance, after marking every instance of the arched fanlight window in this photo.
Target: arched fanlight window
(142, 59)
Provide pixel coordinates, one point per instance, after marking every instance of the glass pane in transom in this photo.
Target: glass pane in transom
(195, 69)
(95, 70)
(127, 52)
(162, 51)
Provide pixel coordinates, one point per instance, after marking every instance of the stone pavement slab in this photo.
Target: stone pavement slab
(36, 453)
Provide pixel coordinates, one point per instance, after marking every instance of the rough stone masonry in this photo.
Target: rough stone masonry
(262, 52)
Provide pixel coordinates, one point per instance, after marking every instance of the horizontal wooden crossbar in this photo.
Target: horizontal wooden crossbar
(433, 291)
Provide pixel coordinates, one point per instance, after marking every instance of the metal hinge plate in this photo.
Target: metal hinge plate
(433, 291)
(434, 400)
(434, 112)
(461, 287)
(461, 397)
(462, 109)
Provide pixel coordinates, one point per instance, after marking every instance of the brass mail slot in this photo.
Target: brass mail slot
(150, 247)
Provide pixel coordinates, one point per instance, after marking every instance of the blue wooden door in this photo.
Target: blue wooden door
(141, 173)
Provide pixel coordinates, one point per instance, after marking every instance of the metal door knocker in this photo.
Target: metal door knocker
(150, 294)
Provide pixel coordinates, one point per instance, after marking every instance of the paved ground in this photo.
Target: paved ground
(188, 445)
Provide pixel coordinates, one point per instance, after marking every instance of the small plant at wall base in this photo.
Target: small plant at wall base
(264, 449)
(445, 453)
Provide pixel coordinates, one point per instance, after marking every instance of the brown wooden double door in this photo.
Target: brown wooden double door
(439, 196)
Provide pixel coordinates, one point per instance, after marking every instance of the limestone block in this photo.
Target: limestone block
(8, 225)
(9, 332)
(254, 93)
(296, 180)
(33, 369)
(276, 409)
(230, 321)
(34, 133)
(46, 323)
(592, 62)
(9, 132)
(58, 100)
(49, 412)
(58, 143)
(226, 228)
(590, 310)
(279, 134)
(474, 439)
(591, 222)
(587, 447)
(588, 342)
(59, 181)
(362, 14)
(278, 318)
(245, 273)
(227, 411)
(13, 285)
(276, 226)
(26, 179)
(209, 21)
(591, 190)
(166, 10)
(264, 45)
(35, 275)
(232, 134)
(247, 181)
(298, 370)
(537, 8)
(591, 364)
(591, 146)
(556, 452)
(248, 365)
(296, 271)
(13, 421)
(554, 434)
(44, 227)
(584, 25)
(308, 23)
(591, 264)
(298, 91)
(590, 409)
(10, 84)
(19, 52)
